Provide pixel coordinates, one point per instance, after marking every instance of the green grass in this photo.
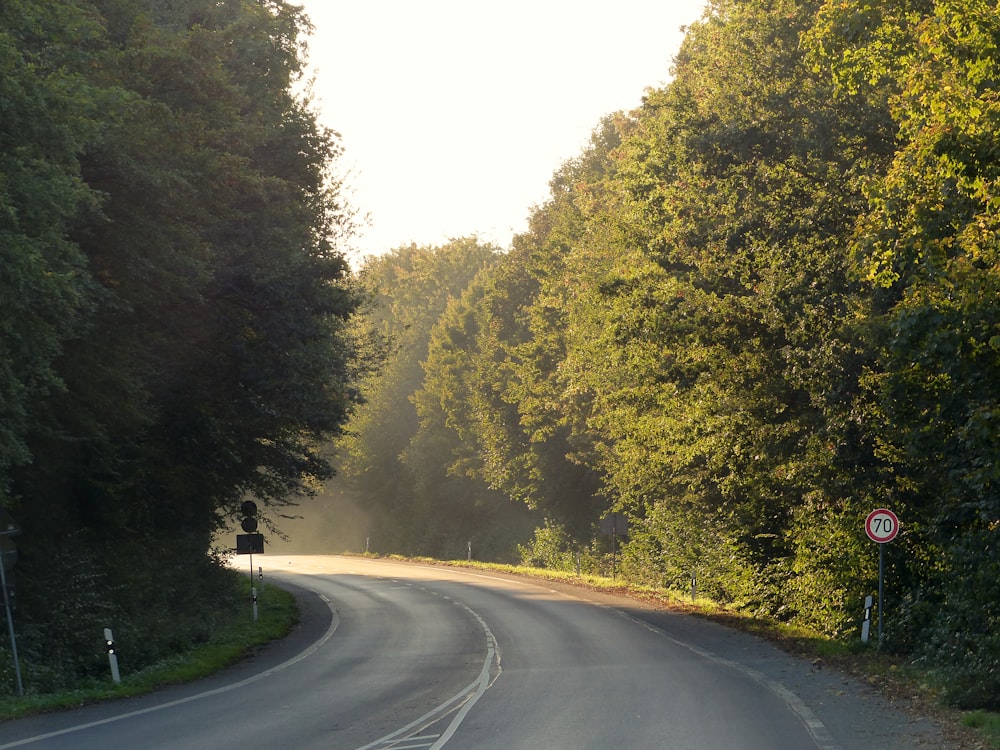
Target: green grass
(987, 723)
(277, 611)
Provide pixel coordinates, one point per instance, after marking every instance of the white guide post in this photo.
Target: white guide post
(109, 640)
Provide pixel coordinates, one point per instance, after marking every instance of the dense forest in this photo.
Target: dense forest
(751, 311)
(755, 308)
(174, 309)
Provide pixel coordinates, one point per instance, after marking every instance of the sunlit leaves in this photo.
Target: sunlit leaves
(930, 238)
(405, 441)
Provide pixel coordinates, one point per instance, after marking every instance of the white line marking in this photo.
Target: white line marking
(817, 730)
(463, 700)
(309, 651)
(484, 681)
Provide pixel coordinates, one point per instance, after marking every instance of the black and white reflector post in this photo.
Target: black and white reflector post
(109, 642)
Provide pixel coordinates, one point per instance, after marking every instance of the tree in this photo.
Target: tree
(46, 295)
(213, 359)
(929, 240)
(397, 465)
(731, 372)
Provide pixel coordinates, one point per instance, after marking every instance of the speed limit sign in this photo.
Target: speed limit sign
(882, 525)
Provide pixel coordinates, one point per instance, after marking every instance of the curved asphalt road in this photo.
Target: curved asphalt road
(404, 656)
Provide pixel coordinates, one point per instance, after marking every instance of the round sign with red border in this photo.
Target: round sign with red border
(882, 525)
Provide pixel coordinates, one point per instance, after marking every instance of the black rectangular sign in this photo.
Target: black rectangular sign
(249, 544)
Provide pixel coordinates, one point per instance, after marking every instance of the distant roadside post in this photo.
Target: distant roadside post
(881, 526)
(615, 525)
(8, 558)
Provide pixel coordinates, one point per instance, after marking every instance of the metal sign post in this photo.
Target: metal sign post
(253, 591)
(8, 558)
(10, 624)
(248, 543)
(882, 526)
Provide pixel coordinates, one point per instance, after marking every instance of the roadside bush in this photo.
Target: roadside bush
(550, 547)
(961, 639)
(834, 566)
(672, 543)
(157, 608)
(60, 618)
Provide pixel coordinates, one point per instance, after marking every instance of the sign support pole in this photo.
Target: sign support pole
(881, 583)
(614, 551)
(609, 526)
(882, 526)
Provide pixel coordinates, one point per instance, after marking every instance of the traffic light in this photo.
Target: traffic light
(249, 511)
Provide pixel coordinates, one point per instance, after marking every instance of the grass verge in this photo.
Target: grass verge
(232, 642)
(987, 723)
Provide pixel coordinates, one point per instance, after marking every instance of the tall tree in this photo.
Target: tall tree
(49, 114)
(742, 180)
(215, 361)
(930, 241)
(389, 461)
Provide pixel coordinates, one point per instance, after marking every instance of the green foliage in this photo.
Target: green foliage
(696, 310)
(956, 622)
(554, 548)
(174, 304)
(929, 239)
(987, 722)
(754, 309)
(231, 637)
(668, 547)
(402, 450)
(835, 566)
(158, 609)
(49, 112)
(550, 548)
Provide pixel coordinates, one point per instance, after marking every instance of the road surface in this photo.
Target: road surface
(410, 657)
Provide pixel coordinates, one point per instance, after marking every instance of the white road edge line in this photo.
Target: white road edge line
(816, 728)
(305, 653)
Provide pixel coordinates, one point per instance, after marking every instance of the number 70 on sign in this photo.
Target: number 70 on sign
(882, 525)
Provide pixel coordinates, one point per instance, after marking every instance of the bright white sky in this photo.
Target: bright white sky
(456, 113)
